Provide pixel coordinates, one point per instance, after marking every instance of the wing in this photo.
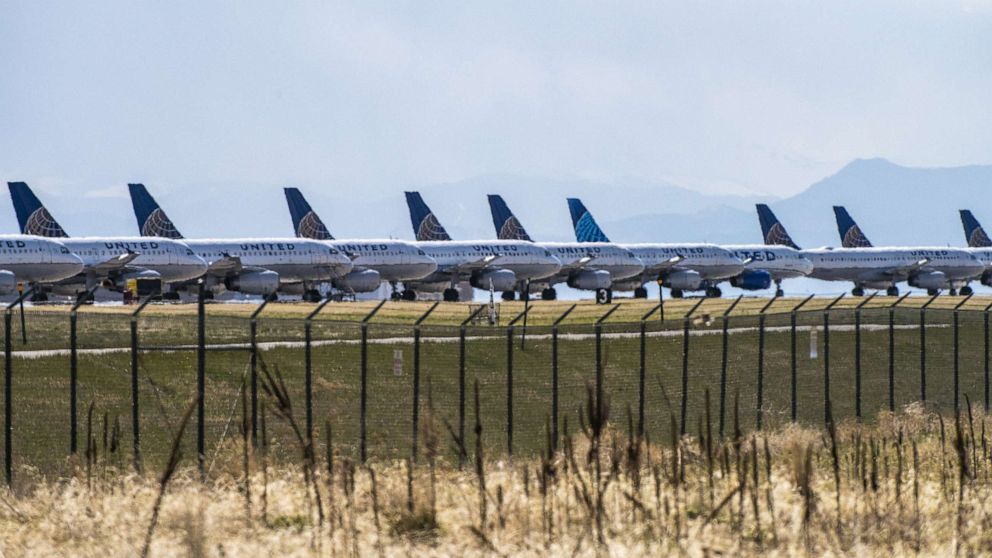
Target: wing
(227, 265)
(897, 272)
(116, 263)
(664, 266)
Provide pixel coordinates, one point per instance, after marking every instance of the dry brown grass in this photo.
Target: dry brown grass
(897, 487)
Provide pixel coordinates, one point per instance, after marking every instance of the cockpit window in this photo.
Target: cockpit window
(421, 252)
(547, 253)
(189, 252)
(63, 250)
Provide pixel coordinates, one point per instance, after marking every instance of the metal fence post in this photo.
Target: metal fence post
(923, 348)
(985, 382)
(598, 328)
(793, 369)
(892, 352)
(201, 376)
(725, 332)
(857, 354)
(760, 409)
(554, 377)
(826, 358)
(685, 367)
(957, 367)
(135, 415)
(416, 380)
(8, 385)
(642, 370)
(253, 329)
(509, 379)
(74, 368)
(364, 395)
(461, 380)
(307, 359)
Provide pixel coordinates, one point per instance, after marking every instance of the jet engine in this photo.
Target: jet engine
(590, 279)
(254, 282)
(502, 279)
(627, 284)
(8, 282)
(684, 280)
(929, 280)
(752, 280)
(363, 281)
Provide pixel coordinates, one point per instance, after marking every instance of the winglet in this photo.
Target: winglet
(306, 223)
(507, 225)
(850, 233)
(772, 229)
(152, 221)
(973, 231)
(425, 224)
(586, 229)
(32, 217)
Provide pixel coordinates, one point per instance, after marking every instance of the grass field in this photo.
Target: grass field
(168, 378)
(913, 484)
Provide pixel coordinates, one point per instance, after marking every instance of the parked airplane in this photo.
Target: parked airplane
(680, 267)
(506, 265)
(109, 262)
(880, 268)
(373, 260)
(594, 266)
(259, 266)
(979, 244)
(35, 261)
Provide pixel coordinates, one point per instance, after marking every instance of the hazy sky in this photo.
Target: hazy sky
(762, 97)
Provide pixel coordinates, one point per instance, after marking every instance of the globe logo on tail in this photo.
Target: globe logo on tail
(431, 229)
(854, 238)
(979, 238)
(41, 223)
(158, 224)
(513, 230)
(312, 227)
(777, 236)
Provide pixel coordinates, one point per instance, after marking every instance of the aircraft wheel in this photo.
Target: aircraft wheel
(409, 294)
(779, 292)
(640, 292)
(39, 297)
(509, 295)
(966, 291)
(450, 295)
(953, 292)
(677, 293)
(857, 291)
(549, 294)
(933, 292)
(892, 291)
(714, 292)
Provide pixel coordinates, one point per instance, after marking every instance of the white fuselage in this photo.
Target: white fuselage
(874, 266)
(459, 259)
(171, 259)
(395, 260)
(294, 259)
(35, 259)
(781, 262)
(576, 257)
(712, 262)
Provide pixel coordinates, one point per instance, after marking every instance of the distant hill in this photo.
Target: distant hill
(893, 204)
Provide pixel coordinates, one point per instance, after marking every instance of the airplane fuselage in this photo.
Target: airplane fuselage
(712, 262)
(884, 267)
(527, 261)
(394, 260)
(34, 259)
(781, 262)
(579, 257)
(171, 259)
(294, 259)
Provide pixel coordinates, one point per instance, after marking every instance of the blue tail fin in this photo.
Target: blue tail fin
(507, 225)
(850, 233)
(31, 215)
(772, 230)
(586, 229)
(306, 223)
(152, 221)
(425, 224)
(973, 231)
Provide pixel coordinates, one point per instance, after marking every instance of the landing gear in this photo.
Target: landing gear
(933, 292)
(858, 291)
(507, 296)
(170, 295)
(85, 298)
(395, 294)
(640, 292)
(713, 292)
(39, 297)
(677, 293)
(892, 291)
(549, 294)
(778, 289)
(450, 295)
(966, 291)
(208, 295)
(525, 294)
(953, 292)
(311, 295)
(409, 295)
